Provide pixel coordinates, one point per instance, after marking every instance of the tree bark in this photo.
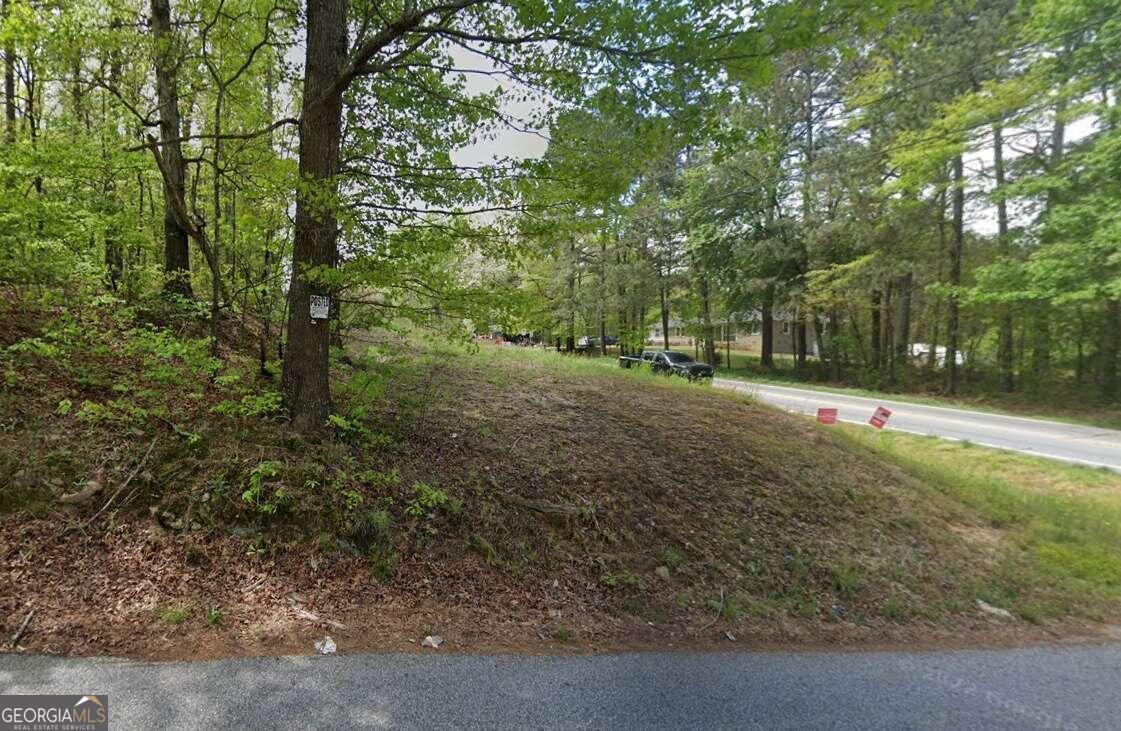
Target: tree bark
(9, 84)
(1005, 346)
(665, 313)
(903, 323)
(603, 298)
(800, 339)
(877, 326)
(176, 264)
(957, 250)
(887, 334)
(1041, 327)
(767, 330)
(833, 327)
(114, 254)
(216, 238)
(570, 285)
(936, 315)
(306, 384)
(1111, 351)
(706, 320)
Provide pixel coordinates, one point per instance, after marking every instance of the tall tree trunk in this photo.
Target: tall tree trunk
(801, 344)
(957, 250)
(665, 312)
(640, 318)
(176, 259)
(1111, 350)
(1005, 346)
(1079, 350)
(800, 339)
(1041, 329)
(570, 285)
(875, 334)
(9, 83)
(936, 315)
(887, 335)
(603, 298)
(706, 320)
(767, 330)
(857, 335)
(625, 324)
(214, 260)
(307, 390)
(903, 322)
(819, 342)
(833, 327)
(114, 254)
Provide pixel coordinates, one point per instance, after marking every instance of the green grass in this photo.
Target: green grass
(561, 633)
(1068, 403)
(1061, 523)
(174, 613)
(566, 366)
(846, 580)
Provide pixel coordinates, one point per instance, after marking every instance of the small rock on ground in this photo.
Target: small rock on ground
(995, 611)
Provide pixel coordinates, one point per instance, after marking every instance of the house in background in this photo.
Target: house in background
(742, 332)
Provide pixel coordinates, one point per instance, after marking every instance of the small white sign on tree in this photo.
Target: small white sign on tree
(320, 307)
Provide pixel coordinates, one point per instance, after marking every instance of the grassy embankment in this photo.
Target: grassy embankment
(1059, 524)
(502, 497)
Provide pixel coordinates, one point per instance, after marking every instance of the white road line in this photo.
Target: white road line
(1089, 446)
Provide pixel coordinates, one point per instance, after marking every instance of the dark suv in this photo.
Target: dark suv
(670, 362)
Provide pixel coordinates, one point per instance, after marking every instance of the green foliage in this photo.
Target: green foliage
(622, 579)
(372, 532)
(483, 547)
(561, 633)
(36, 347)
(425, 500)
(258, 493)
(169, 355)
(672, 558)
(893, 608)
(379, 480)
(175, 613)
(847, 578)
(266, 403)
(353, 500)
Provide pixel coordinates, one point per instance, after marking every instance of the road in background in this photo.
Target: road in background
(1064, 687)
(1086, 445)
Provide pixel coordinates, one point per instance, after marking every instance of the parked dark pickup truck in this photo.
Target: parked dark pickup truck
(668, 362)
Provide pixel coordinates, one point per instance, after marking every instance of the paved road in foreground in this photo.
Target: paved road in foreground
(1067, 442)
(1070, 687)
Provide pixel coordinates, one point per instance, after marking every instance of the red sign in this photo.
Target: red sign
(827, 416)
(880, 417)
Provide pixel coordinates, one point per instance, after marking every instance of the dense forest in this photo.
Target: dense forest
(947, 180)
(872, 175)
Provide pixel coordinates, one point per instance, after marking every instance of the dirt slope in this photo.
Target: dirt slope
(503, 499)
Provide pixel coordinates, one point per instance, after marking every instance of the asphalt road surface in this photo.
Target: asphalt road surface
(1069, 687)
(1086, 445)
